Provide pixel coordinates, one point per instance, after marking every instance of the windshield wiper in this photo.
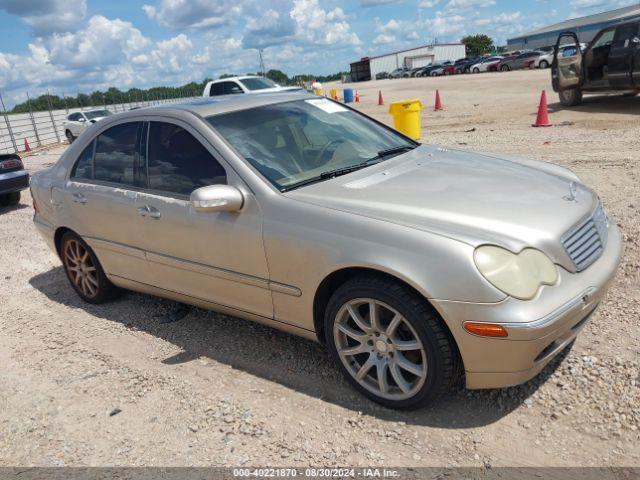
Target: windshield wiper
(382, 155)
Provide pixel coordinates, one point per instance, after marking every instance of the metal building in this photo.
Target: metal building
(586, 28)
(368, 67)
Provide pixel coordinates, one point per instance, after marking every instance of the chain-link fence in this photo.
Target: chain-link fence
(37, 129)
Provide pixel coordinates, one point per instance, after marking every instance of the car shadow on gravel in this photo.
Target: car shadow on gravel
(602, 104)
(278, 357)
(7, 209)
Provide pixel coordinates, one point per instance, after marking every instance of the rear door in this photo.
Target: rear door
(566, 69)
(621, 56)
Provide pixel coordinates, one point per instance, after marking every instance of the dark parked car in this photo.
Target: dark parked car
(13, 179)
(611, 62)
(426, 71)
(518, 62)
(398, 73)
(464, 65)
(382, 75)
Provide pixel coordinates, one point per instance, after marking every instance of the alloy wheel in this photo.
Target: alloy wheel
(80, 267)
(380, 349)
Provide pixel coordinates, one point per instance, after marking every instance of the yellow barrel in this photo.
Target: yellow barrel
(406, 117)
(334, 93)
(317, 91)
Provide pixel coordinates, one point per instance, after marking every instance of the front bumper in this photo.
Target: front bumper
(13, 181)
(538, 329)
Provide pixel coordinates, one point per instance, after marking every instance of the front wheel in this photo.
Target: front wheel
(544, 64)
(504, 68)
(476, 70)
(389, 343)
(84, 270)
(571, 97)
(69, 135)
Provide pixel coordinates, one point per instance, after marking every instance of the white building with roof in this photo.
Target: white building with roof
(586, 28)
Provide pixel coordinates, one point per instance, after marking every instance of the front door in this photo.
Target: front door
(217, 256)
(621, 55)
(566, 70)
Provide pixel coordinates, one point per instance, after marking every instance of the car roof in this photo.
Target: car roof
(242, 77)
(207, 106)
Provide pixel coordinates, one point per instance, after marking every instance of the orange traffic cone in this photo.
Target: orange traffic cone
(357, 97)
(27, 148)
(438, 105)
(380, 100)
(542, 119)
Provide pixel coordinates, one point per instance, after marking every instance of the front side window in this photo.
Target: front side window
(295, 142)
(257, 83)
(606, 38)
(232, 88)
(116, 158)
(178, 163)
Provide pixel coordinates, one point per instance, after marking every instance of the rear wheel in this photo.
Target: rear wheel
(544, 64)
(9, 199)
(571, 97)
(84, 270)
(505, 68)
(69, 135)
(389, 343)
(476, 70)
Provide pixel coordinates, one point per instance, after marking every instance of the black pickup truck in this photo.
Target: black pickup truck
(611, 62)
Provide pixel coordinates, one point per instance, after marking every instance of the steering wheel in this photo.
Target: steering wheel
(326, 147)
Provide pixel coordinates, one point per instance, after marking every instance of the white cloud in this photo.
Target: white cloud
(316, 26)
(468, 4)
(46, 16)
(428, 3)
(197, 14)
(384, 39)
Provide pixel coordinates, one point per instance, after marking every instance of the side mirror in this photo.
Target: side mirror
(217, 198)
(81, 119)
(635, 41)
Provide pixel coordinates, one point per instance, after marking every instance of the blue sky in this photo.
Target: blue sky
(68, 46)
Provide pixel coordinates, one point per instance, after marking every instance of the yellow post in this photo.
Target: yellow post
(334, 93)
(406, 117)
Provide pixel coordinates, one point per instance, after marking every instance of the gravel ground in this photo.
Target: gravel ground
(111, 385)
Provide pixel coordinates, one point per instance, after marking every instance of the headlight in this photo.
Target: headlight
(518, 275)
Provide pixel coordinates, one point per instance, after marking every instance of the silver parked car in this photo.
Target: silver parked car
(413, 263)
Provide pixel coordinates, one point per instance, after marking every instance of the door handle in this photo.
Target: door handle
(143, 210)
(79, 198)
(154, 212)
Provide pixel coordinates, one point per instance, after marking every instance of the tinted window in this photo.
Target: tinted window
(216, 89)
(232, 87)
(83, 169)
(116, 158)
(178, 163)
(257, 83)
(624, 33)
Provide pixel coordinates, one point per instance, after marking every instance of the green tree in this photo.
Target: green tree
(478, 44)
(278, 77)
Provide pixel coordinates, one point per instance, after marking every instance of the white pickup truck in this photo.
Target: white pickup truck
(77, 122)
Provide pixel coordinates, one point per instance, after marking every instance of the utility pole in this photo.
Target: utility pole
(261, 62)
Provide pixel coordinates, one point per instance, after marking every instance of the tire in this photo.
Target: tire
(84, 271)
(505, 68)
(543, 64)
(467, 70)
(69, 135)
(571, 98)
(10, 199)
(476, 70)
(419, 341)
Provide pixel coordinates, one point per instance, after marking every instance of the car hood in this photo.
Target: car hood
(472, 197)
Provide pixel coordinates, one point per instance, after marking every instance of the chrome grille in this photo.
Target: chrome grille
(585, 243)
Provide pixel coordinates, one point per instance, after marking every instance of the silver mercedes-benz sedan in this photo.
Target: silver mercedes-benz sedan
(413, 264)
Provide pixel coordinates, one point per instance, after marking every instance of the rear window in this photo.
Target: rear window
(257, 83)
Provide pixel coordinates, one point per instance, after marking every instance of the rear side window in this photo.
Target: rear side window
(83, 169)
(216, 89)
(116, 157)
(178, 163)
(231, 88)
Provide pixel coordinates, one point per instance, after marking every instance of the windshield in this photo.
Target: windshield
(258, 83)
(292, 143)
(96, 114)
